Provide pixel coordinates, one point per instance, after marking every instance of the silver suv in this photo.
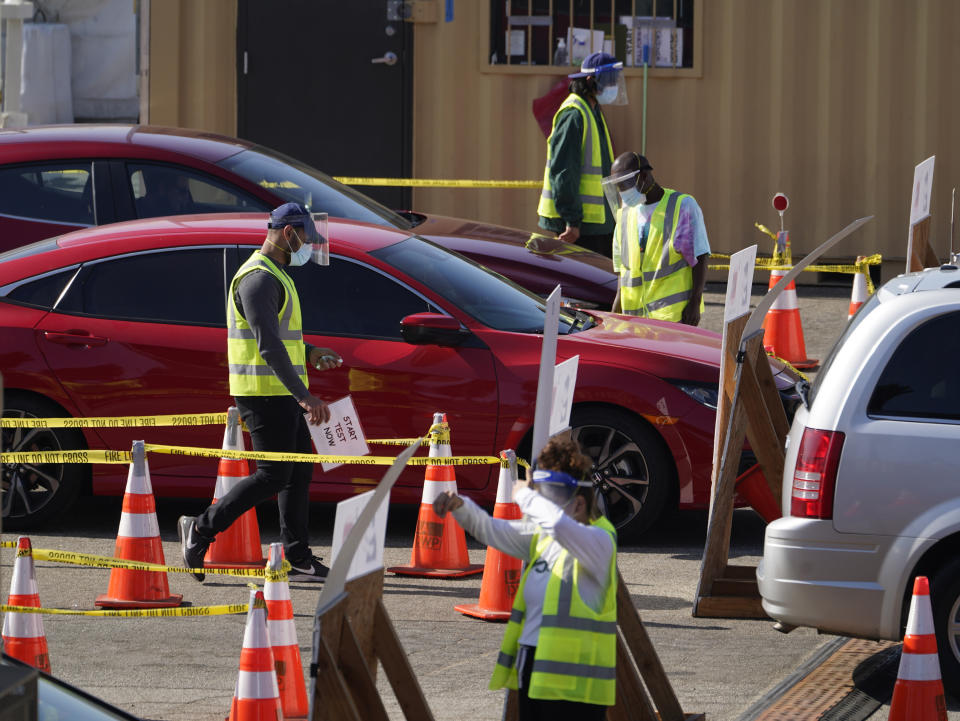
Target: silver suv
(871, 483)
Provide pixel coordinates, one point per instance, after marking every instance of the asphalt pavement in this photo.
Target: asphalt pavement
(175, 669)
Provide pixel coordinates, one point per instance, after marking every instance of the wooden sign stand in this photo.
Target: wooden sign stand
(920, 253)
(749, 407)
(639, 671)
(355, 633)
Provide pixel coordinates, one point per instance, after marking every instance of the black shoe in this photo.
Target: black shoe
(193, 546)
(310, 570)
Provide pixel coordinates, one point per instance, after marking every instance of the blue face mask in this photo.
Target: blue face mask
(632, 197)
(302, 254)
(608, 94)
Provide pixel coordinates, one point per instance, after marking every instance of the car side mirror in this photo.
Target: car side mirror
(432, 329)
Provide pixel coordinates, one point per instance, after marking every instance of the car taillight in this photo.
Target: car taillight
(815, 474)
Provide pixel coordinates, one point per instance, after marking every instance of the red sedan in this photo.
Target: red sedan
(128, 319)
(56, 179)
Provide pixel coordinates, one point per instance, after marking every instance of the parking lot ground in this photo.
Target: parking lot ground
(180, 669)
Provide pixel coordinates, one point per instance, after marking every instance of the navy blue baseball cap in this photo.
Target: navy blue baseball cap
(594, 63)
(288, 214)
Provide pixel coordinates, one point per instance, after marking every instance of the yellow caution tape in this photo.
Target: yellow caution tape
(35, 458)
(425, 183)
(861, 266)
(224, 610)
(94, 561)
(189, 419)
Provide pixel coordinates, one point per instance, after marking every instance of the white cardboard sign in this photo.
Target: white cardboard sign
(564, 383)
(369, 555)
(922, 188)
(548, 360)
(342, 436)
(739, 283)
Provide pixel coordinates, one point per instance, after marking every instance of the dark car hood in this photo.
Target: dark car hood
(535, 261)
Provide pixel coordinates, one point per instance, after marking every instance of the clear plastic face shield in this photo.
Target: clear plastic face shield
(611, 86)
(614, 185)
(557, 486)
(321, 242)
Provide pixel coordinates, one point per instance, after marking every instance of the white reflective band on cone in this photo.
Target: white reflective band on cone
(282, 633)
(276, 591)
(139, 525)
(505, 489)
(432, 489)
(920, 620)
(257, 684)
(23, 625)
(255, 634)
(919, 667)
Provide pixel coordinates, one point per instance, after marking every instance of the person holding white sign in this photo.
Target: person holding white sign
(268, 379)
(559, 649)
(660, 246)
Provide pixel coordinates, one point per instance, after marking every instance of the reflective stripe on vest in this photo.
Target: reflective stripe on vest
(249, 373)
(591, 166)
(575, 657)
(656, 282)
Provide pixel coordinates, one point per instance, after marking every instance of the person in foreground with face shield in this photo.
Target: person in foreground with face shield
(559, 648)
(660, 246)
(268, 380)
(579, 155)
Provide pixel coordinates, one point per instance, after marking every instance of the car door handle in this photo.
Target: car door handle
(74, 338)
(389, 58)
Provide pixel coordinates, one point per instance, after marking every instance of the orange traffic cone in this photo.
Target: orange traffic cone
(752, 487)
(256, 696)
(239, 545)
(283, 637)
(138, 540)
(918, 693)
(783, 330)
(859, 293)
(23, 636)
(439, 545)
(501, 573)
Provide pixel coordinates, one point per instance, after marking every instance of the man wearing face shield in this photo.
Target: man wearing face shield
(660, 246)
(559, 648)
(267, 359)
(579, 155)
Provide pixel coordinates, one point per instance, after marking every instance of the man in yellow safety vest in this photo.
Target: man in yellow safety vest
(267, 360)
(579, 155)
(660, 245)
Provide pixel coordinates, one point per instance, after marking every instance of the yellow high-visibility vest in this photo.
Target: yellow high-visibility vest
(591, 165)
(576, 654)
(249, 373)
(656, 282)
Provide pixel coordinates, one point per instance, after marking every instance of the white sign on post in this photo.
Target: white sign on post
(548, 358)
(922, 188)
(564, 383)
(739, 283)
(342, 436)
(369, 554)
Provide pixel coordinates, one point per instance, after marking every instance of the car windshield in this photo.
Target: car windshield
(316, 191)
(871, 303)
(484, 295)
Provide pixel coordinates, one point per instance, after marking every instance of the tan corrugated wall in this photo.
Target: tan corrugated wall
(193, 68)
(832, 102)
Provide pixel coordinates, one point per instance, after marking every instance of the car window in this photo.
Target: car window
(866, 309)
(490, 298)
(351, 299)
(172, 190)
(921, 380)
(294, 181)
(170, 286)
(41, 292)
(59, 192)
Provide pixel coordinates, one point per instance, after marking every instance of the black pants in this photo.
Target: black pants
(533, 709)
(602, 244)
(276, 423)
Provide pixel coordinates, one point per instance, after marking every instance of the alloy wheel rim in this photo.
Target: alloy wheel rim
(28, 487)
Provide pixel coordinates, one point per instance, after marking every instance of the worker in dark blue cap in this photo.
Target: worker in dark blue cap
(268, 360)
(579, 156)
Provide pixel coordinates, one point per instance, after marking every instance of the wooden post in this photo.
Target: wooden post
(921, 254)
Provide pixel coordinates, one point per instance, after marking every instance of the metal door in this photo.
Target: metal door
(329, 83)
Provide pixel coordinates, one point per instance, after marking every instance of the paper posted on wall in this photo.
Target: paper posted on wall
(342, 436)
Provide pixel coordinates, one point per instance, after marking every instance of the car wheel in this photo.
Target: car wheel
(945, 600)
(633, 472)
(36, 493)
